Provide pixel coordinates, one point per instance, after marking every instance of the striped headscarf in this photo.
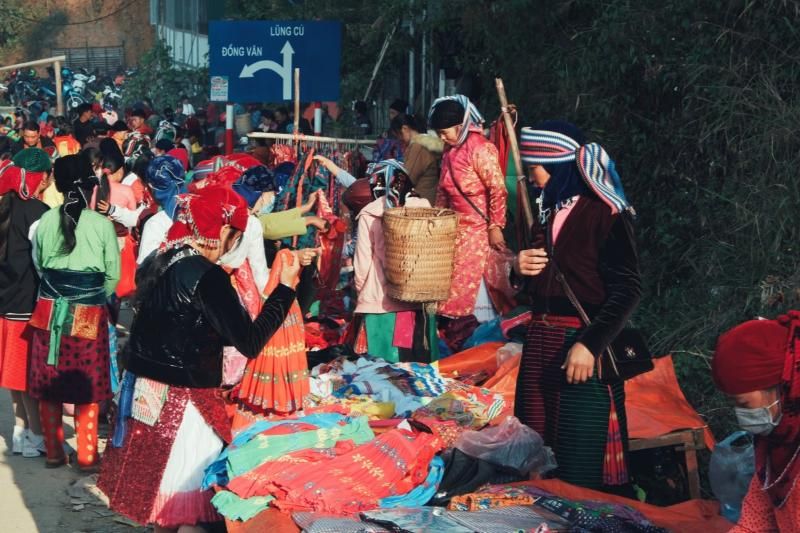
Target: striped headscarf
(472, 117)
(386, 171)
(543, 147)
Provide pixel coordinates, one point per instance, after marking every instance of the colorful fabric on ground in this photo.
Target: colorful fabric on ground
(277, 380)
(266, 447)
(492, 498)
(572, 419)
(421, 494)
(391, 464)
(470, 407)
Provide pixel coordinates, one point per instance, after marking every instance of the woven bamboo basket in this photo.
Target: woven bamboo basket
(420, 245)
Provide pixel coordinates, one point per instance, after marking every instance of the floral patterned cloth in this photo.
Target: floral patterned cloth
(474, 165)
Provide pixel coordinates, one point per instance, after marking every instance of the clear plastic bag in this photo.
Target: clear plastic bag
(731, 471)
(511, 445)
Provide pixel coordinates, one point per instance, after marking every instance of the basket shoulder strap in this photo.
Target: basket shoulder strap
(461, 191)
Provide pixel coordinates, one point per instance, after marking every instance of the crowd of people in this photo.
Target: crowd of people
(111, 209)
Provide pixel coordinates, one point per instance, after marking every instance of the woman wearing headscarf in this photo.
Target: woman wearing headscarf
(187, 311)
(20, 211)
(393, 330)
(472, 184)
(166, 180)
(77, 254)
(584, 230)
(757, 364)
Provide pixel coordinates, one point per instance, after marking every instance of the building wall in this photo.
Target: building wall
(129, 28)
(188, 49)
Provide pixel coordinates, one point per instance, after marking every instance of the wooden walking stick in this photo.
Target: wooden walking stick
(522, 188)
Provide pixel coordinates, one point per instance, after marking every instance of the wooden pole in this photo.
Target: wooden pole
(59, 92)
(522, 188)
(296, 130)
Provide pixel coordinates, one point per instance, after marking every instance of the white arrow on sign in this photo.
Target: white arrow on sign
(284, 71)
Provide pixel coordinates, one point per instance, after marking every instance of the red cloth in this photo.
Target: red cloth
(750, 357)
(23, 182)
(181, 155)
(15, 342)
(202, 215)
(391, 464)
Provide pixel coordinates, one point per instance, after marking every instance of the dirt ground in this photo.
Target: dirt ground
(36, 499)
(62, 500)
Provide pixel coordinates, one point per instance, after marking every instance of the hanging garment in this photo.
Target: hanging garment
(277, 380)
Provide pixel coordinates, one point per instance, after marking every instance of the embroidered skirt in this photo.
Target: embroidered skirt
(82, 373)
(156, 476)
(585, 423)
(15, 341)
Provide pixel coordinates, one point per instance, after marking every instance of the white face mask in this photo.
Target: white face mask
(757, 421)
(268, 207)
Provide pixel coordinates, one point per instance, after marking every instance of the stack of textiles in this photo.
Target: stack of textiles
(278, 442)
(470, 407)
(323, 462)
(408, 386)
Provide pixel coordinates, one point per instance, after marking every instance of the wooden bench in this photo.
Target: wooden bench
(687, 441)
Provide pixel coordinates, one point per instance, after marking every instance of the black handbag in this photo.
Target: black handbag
(626, 356)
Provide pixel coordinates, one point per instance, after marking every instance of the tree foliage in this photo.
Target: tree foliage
(158, 78)
(697, 102)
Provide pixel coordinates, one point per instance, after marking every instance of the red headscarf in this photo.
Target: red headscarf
(224, 177)
(23, 182)
(202, 215)
(759, 355)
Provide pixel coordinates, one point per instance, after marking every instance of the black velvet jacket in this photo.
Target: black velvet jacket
(190, 314)
(596, 252)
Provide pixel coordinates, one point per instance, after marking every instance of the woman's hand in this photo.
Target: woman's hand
(496, 239)
(307, 255)
(309, 205)
(327, 163)
(104, 208)
(318, 222)
(579, 364)
(530, 262)
(290, 268)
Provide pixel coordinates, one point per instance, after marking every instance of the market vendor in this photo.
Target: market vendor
(757, 364)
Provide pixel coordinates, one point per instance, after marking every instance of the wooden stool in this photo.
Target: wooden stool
(687, 441)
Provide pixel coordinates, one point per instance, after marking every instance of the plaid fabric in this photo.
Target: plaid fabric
(541, 147)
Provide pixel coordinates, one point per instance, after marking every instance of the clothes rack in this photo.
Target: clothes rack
(309, 138)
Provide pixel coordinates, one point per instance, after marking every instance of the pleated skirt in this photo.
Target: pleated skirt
(585, 423)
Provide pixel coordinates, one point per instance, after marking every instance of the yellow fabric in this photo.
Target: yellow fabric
(283, 224)
(52, 197)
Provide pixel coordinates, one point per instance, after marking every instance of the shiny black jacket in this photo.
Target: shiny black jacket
(193, 311)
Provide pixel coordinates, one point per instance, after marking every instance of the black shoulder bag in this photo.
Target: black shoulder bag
(626, 356)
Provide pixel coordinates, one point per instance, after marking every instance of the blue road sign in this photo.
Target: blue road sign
(254, 60)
